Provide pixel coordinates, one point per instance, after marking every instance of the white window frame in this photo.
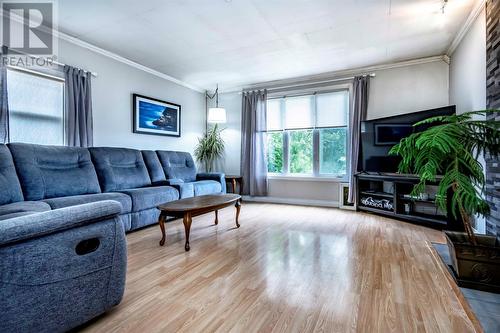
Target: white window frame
(316, 175)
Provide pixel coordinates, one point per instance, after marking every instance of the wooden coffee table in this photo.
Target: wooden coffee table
(191, 207)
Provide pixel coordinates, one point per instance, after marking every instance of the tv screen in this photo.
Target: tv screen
(390, 134)
(380, 134)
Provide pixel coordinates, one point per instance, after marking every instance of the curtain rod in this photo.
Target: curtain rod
(306, 83)
(54, 62)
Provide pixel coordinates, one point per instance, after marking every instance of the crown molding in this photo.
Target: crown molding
(119, 58)
(474, 14)
(309, 79)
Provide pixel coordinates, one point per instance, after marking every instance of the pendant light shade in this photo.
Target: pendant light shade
(216, 115)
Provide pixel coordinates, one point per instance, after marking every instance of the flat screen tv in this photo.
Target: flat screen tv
(390, 134)
(379, 135)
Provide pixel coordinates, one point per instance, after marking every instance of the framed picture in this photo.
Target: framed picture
(344, 197)
(157, 117)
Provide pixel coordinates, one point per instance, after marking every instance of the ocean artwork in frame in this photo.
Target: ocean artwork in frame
(157, 117)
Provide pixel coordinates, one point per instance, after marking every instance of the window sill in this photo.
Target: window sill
(307, 178)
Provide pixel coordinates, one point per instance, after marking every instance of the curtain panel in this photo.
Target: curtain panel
(4, 103)
(253, 143)
(358, 114)
(79, 129)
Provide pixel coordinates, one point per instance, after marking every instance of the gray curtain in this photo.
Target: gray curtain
(4, 104)
(79, 130)
(358, 114)
(253, 148)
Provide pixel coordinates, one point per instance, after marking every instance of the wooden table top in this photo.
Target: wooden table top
(232, 176)
(201, 202)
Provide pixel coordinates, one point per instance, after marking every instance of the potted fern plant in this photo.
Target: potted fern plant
(210, 148)
(447, 152)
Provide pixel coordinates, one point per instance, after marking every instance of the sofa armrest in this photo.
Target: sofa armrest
(217, 176)
(40, 224)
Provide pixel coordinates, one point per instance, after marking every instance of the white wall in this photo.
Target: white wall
(468, 69)
(112, 102)
(408, 89)
(392, 92)
(232, 132)
(468, 77)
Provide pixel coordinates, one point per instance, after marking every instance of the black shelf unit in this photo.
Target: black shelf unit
(384, 194)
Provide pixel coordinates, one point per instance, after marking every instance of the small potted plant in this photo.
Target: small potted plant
(449, 147)
(210, 148)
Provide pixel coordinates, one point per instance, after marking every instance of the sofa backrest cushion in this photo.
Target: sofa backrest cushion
(53, 171)
(154, 167)
(9, 183)
(177, 165)
(120, 168)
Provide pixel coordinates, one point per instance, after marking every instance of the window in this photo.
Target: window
(36, 108)
(307, 135)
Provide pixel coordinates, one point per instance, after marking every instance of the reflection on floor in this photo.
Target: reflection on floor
(287, 269)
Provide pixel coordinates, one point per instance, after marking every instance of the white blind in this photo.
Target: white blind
(309, 111)
(36, 108)
(332, 109)
(274, 115)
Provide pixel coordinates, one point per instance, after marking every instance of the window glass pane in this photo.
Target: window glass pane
(36, 109)
(332, 151)
(274, 114)
(275, 152)
(298, 113)
(332, 109)
(301, 151)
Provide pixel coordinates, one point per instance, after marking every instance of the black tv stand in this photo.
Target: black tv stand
(388, 194)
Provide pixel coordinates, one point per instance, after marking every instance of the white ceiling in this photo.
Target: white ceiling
(240, 42)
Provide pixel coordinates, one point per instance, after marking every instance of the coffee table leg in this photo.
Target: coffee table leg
(187, 227)
(216, 217)
(238, 206)
(161, 221)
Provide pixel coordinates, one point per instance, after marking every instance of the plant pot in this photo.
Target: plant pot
(477, 266)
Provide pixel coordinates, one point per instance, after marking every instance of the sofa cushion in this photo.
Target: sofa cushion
(21, 208)
(177, 165)
(204, 187)
(154, 167)
(62, 202)
(120, 168)
(51, 171)
(9, 183)
(186, 190)
(150, 197)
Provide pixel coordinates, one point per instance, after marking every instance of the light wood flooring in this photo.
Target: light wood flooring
(287, 269)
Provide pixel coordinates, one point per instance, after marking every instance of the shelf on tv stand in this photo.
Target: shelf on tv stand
(379, 194)
(372, 184)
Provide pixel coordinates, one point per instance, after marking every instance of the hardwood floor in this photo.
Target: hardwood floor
(287, 269)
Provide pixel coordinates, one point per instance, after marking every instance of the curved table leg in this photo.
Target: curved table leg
(238, 206)
(161, 222)
(187, 228)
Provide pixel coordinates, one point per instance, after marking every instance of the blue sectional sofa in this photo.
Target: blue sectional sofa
(52, 199)
(40, 178)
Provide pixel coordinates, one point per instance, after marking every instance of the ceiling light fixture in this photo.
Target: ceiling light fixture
(443, 5)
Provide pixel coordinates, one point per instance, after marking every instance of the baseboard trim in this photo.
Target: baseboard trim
(293, 201)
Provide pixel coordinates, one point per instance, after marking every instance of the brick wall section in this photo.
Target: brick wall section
(493, 102)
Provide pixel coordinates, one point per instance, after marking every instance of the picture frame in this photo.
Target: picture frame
(344, 197)
(155, 116)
